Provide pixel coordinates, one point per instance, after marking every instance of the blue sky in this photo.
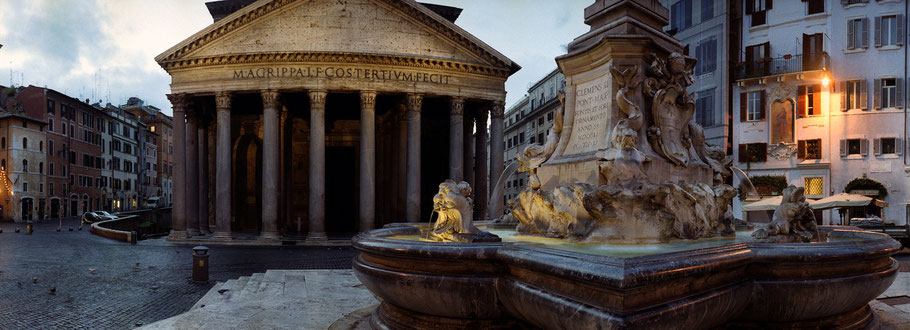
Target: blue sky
(104, 49)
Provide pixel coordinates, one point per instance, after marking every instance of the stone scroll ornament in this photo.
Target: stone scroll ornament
(454, 207)
(672, 108)
(623, 162)
(535, 155)
(793, 220)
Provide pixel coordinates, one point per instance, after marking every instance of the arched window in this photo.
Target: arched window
(25, 165)
(3, 143)
(3, 164)
(24, 143)
(41, 168)
(41, 146)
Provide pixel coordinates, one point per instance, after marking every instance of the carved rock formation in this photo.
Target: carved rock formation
(793, 220)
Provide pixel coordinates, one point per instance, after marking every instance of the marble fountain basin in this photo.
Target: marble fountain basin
(528, 281)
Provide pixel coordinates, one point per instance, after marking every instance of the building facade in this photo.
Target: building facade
(327, 131)
(124, 150)
(816, 108)
(160, 131)
(22, 161)
(528, 122)
(702, 26)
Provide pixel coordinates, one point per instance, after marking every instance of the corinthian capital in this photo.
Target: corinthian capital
(317, 99)
(179, 101)
(223, 101)
(457, 106)
(270, 98)
(497, 109)
(415, 102)
(367, 100)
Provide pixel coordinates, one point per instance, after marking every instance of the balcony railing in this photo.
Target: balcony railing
(782, 65)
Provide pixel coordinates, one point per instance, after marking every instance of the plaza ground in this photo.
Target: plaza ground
(100, 283)
(105, 284)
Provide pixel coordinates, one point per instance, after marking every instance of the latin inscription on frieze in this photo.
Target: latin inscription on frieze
(592, 113)
(301, 72)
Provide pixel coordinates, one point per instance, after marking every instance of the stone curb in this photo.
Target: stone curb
(120, 235)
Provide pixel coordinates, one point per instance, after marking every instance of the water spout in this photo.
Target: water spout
(745, 184)
(497, 189)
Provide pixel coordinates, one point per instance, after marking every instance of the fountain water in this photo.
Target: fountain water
(624, 165)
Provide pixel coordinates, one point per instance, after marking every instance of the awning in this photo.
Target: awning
(845, 200)
(768, 204)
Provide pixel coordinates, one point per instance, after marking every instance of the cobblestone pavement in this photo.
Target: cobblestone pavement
(100, 283)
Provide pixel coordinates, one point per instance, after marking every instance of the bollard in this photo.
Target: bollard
(200, 264)
(28, 227)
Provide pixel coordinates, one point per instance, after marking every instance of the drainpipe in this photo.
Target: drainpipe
(906, 4)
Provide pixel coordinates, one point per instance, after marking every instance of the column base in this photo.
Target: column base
(193, 232)
(316, 237)
(205, 232)
(177, 235)
(221, 236)
(269, 236)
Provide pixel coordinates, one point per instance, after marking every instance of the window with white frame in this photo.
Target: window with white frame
(704, 108)
(889, 30)
(706, 53)
(857, 33)
(754, 110)
(888, 89)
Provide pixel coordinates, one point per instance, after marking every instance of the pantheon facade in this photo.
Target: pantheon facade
(308, 118)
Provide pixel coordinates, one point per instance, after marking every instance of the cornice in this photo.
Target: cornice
(336, 57)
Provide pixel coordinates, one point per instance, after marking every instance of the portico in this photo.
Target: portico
(320, 133)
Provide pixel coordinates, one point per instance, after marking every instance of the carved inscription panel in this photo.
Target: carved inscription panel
(593, 100)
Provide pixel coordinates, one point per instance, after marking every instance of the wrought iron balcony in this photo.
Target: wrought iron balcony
(782, 65)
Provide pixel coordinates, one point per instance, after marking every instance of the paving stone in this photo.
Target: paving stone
(118, 294)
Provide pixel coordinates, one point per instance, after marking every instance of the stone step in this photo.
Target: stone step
(251, 287)
(209, 296)
(272, 283)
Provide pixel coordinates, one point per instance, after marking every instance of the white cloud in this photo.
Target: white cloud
(104, 50)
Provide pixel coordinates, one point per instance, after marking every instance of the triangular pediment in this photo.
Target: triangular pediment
(398, 27)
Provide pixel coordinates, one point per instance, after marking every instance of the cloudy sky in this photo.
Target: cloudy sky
(105, 49)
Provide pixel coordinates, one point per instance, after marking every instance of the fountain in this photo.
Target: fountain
(626, 223)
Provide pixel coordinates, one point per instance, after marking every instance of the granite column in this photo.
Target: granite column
(317, 165)
(270, 161)
(192, 174)
(456, 140)
(367, 160)
(203, 204)
(415, 101)
(497, 202)
(223, 172)
(178, 217)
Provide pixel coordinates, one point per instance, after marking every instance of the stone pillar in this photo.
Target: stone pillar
(497, 186)
(178, 216)
(456, 140)
(468, 145)
(317, 166)
(415, 101)
(203, 204)
(270, 161)
(480, 166)
(192, 174)
(367, 160)
(223, 171)
(402, 165)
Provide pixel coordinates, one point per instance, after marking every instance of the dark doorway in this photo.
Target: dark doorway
(341, 192)
(41, 206)
(74, 206)
(55, 208)
(247, 184)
